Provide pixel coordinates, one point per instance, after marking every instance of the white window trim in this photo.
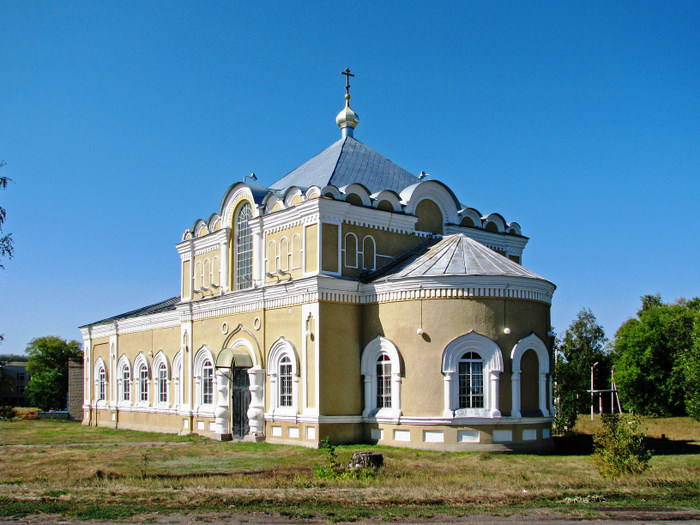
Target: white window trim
(368, 367)
(100, 366)
(204, 409)
(493, 365)
(159, 360)
(122, 364)
(345, 250)
(531, 342)
(136, 391)
(279, 349)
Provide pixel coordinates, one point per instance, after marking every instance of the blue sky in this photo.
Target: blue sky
(123, 122)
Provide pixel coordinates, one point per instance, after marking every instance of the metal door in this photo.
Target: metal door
(240, 401)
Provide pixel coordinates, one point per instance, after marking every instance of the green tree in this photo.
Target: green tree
(619, 448)
(690, 365)
(48, 364)
(583, 344)
(654, 356)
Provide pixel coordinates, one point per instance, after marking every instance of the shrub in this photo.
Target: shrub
(6, 412)
(619, 447)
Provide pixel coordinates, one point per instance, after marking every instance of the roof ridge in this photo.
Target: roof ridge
(337, 160)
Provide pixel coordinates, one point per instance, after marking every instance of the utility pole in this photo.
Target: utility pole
(592, 402)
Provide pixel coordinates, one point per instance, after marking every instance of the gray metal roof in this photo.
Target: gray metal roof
(162, 306)
(345, 162)
(456, 255)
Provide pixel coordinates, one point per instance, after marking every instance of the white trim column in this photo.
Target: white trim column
(256, 409)
(448, 412)
(495, 377)
(221, 413)
(515, 390)
(543, 394)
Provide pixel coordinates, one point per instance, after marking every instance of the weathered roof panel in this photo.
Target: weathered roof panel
(459, 255)
(162, 306)
(345, 162)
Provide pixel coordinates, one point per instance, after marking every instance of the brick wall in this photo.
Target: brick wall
(75, 389)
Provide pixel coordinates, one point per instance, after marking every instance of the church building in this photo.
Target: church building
(349, 300)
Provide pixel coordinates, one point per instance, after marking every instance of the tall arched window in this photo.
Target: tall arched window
(283, 369)
(143, 383)
(471, 364)
(102, 385)
(123, 380)
(126, 384)
(205, 382)
(163, 383)
(243, 248)
(383, 381)
(381, 367)
(285, 380)
(471, 381)
(100, 378)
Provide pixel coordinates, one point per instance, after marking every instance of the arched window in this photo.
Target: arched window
(142, 378)
(350, 250)
(471, 365)
(161, 379)
(243, 236)
(143, 383)
(162, 383)
(124, 380)
(471, 381)
(102, 384)
(100, 381)
(525, 364)
(126, 384)
(283, 369)
(381, 367)
(207, 383)
(285, 382)
(204, 376)
(384, 381)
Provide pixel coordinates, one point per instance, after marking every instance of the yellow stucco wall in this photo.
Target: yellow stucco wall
(339, 359)
(329, 247)
(311, 248)
(388, 245)
(443, 321)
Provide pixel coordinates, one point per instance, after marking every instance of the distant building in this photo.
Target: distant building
(350, 299)
(17, 370)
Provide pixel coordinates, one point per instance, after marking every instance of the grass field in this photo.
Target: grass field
(79, 472)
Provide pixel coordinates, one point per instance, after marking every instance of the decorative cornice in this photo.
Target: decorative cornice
(326, 288)
(512, 244)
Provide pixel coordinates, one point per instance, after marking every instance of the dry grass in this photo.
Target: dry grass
(184, 476)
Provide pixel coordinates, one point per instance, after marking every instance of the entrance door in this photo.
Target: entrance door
(240, 401)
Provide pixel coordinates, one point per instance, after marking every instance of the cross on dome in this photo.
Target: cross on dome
(347, 119)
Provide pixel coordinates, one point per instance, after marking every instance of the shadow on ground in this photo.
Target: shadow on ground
(582, 445)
